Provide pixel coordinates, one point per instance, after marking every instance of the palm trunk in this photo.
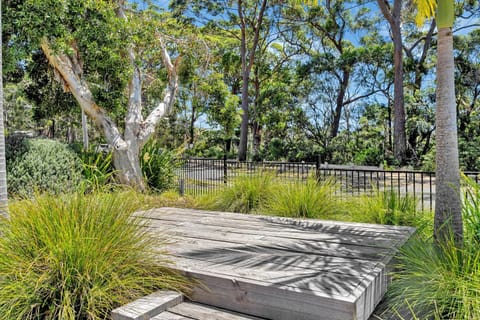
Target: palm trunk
(3, 166)
(448, 206)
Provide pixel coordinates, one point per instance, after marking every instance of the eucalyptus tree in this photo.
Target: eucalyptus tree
(467, 80)
(393, 14)
(343, 62)
(244, 20)
(105, 73)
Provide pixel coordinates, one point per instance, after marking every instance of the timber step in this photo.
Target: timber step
(148, 307)
(197, 311)
(169, 305)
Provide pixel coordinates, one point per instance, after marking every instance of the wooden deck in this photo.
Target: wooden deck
(281, 268)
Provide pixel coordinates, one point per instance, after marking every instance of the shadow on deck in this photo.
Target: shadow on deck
(280, 268)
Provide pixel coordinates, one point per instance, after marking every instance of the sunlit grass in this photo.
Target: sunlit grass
(303, 199)
(247, 193)
(77, 257)
(440, 281)
(383, 207)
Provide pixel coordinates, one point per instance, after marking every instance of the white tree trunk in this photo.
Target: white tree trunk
(448, 207)
(128, 165)
(85, 131)
(137, 130)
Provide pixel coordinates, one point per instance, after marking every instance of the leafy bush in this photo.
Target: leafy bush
(45, 166)
(15, 146)
(309, 199)
(246, 194)
(97, 169)
(158, 166)
(76, 257)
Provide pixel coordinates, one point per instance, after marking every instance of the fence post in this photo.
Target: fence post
(225, 172)
(317, 167)
(181, 187)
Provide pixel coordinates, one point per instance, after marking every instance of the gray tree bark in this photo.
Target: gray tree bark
(448, 206)
(393, 16)
(3, 166)
(247, 59)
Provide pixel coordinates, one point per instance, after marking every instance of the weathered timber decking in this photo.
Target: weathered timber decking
(280, 268)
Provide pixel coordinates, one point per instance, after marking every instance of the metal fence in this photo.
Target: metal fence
(198, 176)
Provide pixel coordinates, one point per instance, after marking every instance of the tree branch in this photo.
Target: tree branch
(134, 117)
(164, 107)
(69, 69)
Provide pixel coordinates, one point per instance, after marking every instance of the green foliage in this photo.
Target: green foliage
(43, 165)
(247, 193)
(471, 211)
(441, 281)
(303, 199)
(436, 282)
(15, 146)
(75, 25)
(158, 166)
(97, 169)
(77, 257)
(384, 207)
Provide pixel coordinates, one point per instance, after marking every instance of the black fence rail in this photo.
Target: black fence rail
(199, 176)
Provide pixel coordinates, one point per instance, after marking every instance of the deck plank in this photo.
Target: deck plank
(217, 225)
(300, 225)
(332, 248)
(280, 268)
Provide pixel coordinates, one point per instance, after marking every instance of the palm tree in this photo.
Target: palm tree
(448, 206)
(3, 167)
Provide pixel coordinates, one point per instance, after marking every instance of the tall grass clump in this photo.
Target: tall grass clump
(246, 194)
(304, 199)
(440, 281)
(77, 257)
(384, 207)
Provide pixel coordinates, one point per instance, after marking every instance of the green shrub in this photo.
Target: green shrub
(158, 166)
(246, 194)
(97, 169)
(303, 199)
(15, 146)
(44, 166)
(76, 257)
